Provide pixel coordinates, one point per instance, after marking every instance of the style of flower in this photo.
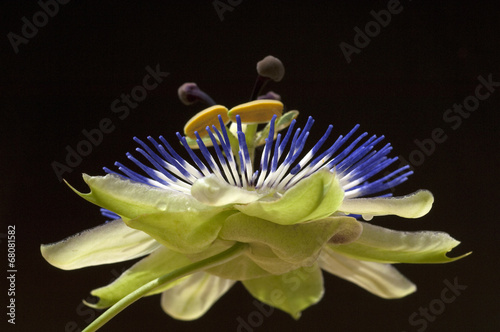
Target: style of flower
(206, 223)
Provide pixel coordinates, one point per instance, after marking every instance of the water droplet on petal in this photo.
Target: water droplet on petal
(162, 206)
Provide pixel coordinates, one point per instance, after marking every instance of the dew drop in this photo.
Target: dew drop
(162, 206)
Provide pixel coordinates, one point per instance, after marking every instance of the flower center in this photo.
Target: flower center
(279, 167)
(234, 135)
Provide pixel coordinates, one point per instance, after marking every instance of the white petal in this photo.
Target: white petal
(380, 279)
(108, 243)
(414, 205)
(193, 297)
(213, 191)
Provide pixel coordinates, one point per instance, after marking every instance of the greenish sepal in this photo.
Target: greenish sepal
(213, 191)
(107, 243)
(381, 279)
(131, 199)
(160, 262)
(314, 197)
(414, 205)
(194, 295)
(291, 292)
(378, 244)
(186, 232)
(281, 248)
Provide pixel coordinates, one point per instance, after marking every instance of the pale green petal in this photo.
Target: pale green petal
(278, 248)
(108, 243)
(131, 199)
(380, 279)
(211, 190)
(194, 295)
(292, 292)
(414, 205)
(160, 262)
(314, 197)
(378, 244)
(185, 232)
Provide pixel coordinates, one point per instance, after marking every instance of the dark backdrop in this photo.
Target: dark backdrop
(65, 78)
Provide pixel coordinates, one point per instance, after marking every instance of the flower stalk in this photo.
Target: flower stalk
(236, 250)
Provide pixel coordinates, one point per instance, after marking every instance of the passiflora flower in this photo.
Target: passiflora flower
(250, 204)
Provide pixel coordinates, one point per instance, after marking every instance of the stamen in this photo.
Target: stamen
(257, 111)
(291, 178)
(193, 156)
(137, 177)
(282, 146)
(297, 152)
(220, 156)
(207, 117)
(275, 177)
(366, 168)
(245, 162)
(189, 172)
(208, 157)
(163, 171)
(242, 170)
(226, 146)
(355, 165)
(312, 152)
(356, 155)
(164, 164)
(325, 156)
(161, 180)
(274, 163)
(345, 153)
(380, 184)
(278, 151)
(109, 214)
(307, 127)
(264, 161)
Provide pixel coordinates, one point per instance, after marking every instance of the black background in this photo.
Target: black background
(428, 58)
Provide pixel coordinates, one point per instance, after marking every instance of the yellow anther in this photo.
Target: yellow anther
(207, 117)
(257, 111)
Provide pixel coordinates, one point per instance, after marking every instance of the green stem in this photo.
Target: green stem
(207, 263)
